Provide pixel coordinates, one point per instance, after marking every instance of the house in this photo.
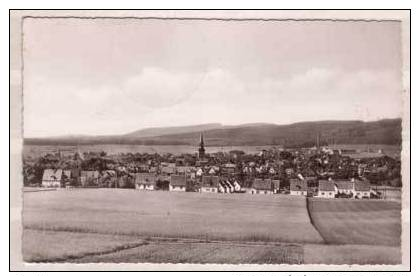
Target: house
(228, 168)
(178, 183)
(223, 188)
(237, 186)
(230, 185)
(184, 170)
(361, 189)
(344, 187)
(168, 170)
(326, 189)
(212, 171)
(226, 187)
(209, 184)
(262, 186)
(145, 181)
(143, 167)
(52, 178)
(298, 187)
(199, 172)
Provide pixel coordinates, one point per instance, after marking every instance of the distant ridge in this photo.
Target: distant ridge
(159, 131)
(302, 134)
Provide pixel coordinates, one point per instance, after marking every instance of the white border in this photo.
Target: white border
(270, 14)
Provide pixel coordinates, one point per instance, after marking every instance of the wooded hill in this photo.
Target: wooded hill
(304, 134)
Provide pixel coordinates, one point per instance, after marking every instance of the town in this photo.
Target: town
(318, 171)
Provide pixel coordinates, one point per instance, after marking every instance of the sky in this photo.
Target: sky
(114, 76)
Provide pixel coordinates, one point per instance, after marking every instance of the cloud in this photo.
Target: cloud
(159, 97)
(157, 88)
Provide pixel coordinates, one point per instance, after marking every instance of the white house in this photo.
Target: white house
(237, 186)
(344, 187)
(226, 187)
(298, 187)
(222, 187)
(212, 170)
(326, 189)
(168, 170)
(52, 178)
(199, 172)
(145, 181)
(231, 186)
(178, 183)
(187, 170)
(361, 189)
(262, 186)
(210, 184)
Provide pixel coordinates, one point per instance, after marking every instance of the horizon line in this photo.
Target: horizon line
(203, 124)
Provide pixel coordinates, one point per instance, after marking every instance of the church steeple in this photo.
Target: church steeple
(201, 150)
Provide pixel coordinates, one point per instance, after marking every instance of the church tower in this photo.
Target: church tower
(201, 150)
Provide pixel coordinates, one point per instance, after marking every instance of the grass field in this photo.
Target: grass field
(113, 225)
(64, 246)
(179, 215)
(204, 253)
(349, 254)
(357, 221)
(91, 247)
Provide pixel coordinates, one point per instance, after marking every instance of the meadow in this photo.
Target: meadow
(117, 225)
(240, 217)
(368, 222)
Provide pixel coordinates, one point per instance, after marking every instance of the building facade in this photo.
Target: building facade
(145, 181)
(210, 184)
(52, 178)
(298, 187)
(262, 186)
(326, 189)
(178, 183)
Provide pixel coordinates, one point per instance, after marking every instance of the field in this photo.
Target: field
(240, 217)
(115, 225)
(357, 221)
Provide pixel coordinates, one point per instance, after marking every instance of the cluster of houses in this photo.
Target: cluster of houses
(332, 188)
(259, 174)
(58, 178)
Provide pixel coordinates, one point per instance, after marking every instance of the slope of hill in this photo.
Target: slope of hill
(386, 131)
(299, 134)
(159, 131)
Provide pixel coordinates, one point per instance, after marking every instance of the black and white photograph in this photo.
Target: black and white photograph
(257, 140)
